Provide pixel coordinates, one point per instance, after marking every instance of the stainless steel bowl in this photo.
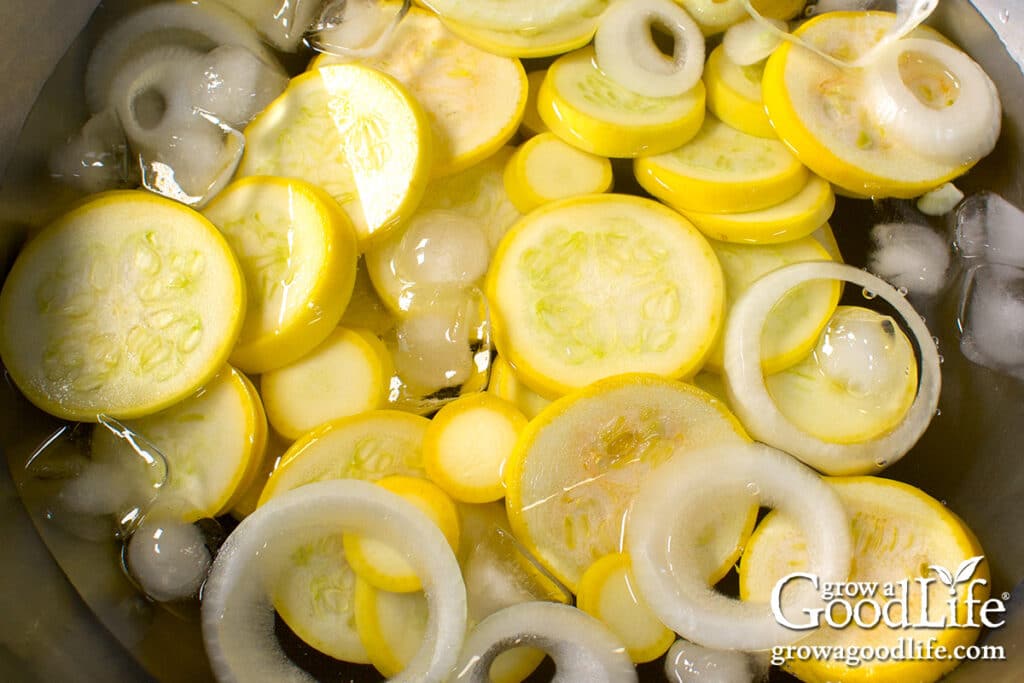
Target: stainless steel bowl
(93, 628)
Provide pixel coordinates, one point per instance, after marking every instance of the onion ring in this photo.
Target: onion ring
(187, 24)
(626, 51)
(582, 647)
(237, 611)
(963, 131)
(909, 15)
(672, 504)
(757, 411)
(748, 42)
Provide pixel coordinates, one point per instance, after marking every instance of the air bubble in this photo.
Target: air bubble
(942, 359)
(868, 294)
(881, 463)
(753, 489)
(938, 412)
(169, 559)
(902, 291)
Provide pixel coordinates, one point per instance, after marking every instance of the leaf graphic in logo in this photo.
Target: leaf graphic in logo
(944, 575)
(966, 569)
(963, 573)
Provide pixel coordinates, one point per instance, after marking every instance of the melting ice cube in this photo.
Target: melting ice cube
(991, 318)
(990, 228)
(909, 256)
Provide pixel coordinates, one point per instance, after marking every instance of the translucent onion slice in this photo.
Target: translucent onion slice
(582, 648)
(501, 15)
(151, 96)
(961, 126)
(757, 411)
(627, 53)
(237, 611)
(199, 25)
(185, 153)
(748, 42)
(673, 504)
(909, 15)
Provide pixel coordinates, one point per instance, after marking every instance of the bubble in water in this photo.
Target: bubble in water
(352, 28)
(989, 228)
(753, 489)
(441, 247)
(862, 352)
(902, 291)
(687, 662)
(499, 573)
(914, 258)
(442, 350)
(881, 463)
(938, 412)
(169, 559)
(991, 318)
(868, 294)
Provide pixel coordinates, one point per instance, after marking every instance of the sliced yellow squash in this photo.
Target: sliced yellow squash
(595, 286)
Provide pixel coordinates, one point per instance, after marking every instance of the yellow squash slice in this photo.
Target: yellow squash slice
(473, 99)
(595, 286)
(126, 305)
(587, 109)
(356, 133)
(579, 463)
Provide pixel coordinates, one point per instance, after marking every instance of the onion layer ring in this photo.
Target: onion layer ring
(237, 612)
(754, 405)
(963, 131)
(668, 511)
(582, 647)
(626, 51)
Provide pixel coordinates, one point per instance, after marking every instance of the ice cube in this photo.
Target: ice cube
(909, 256)
(991, 318)
(989, 227)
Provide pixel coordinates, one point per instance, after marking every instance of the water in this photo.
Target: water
(980, 405)
(912, 257)
(690, 663)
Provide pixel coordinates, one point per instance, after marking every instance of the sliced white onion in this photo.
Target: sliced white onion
(185, 153)
(237, 611)
(963, 131)
(672, 506)
(748, 42)
(909, 15)
(626, 51)
(201, 26)
(582, 648)
(521, 15)
(754, 405)
(151, 96)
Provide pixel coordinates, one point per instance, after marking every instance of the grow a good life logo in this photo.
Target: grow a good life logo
(932, 618)
(867, 604)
